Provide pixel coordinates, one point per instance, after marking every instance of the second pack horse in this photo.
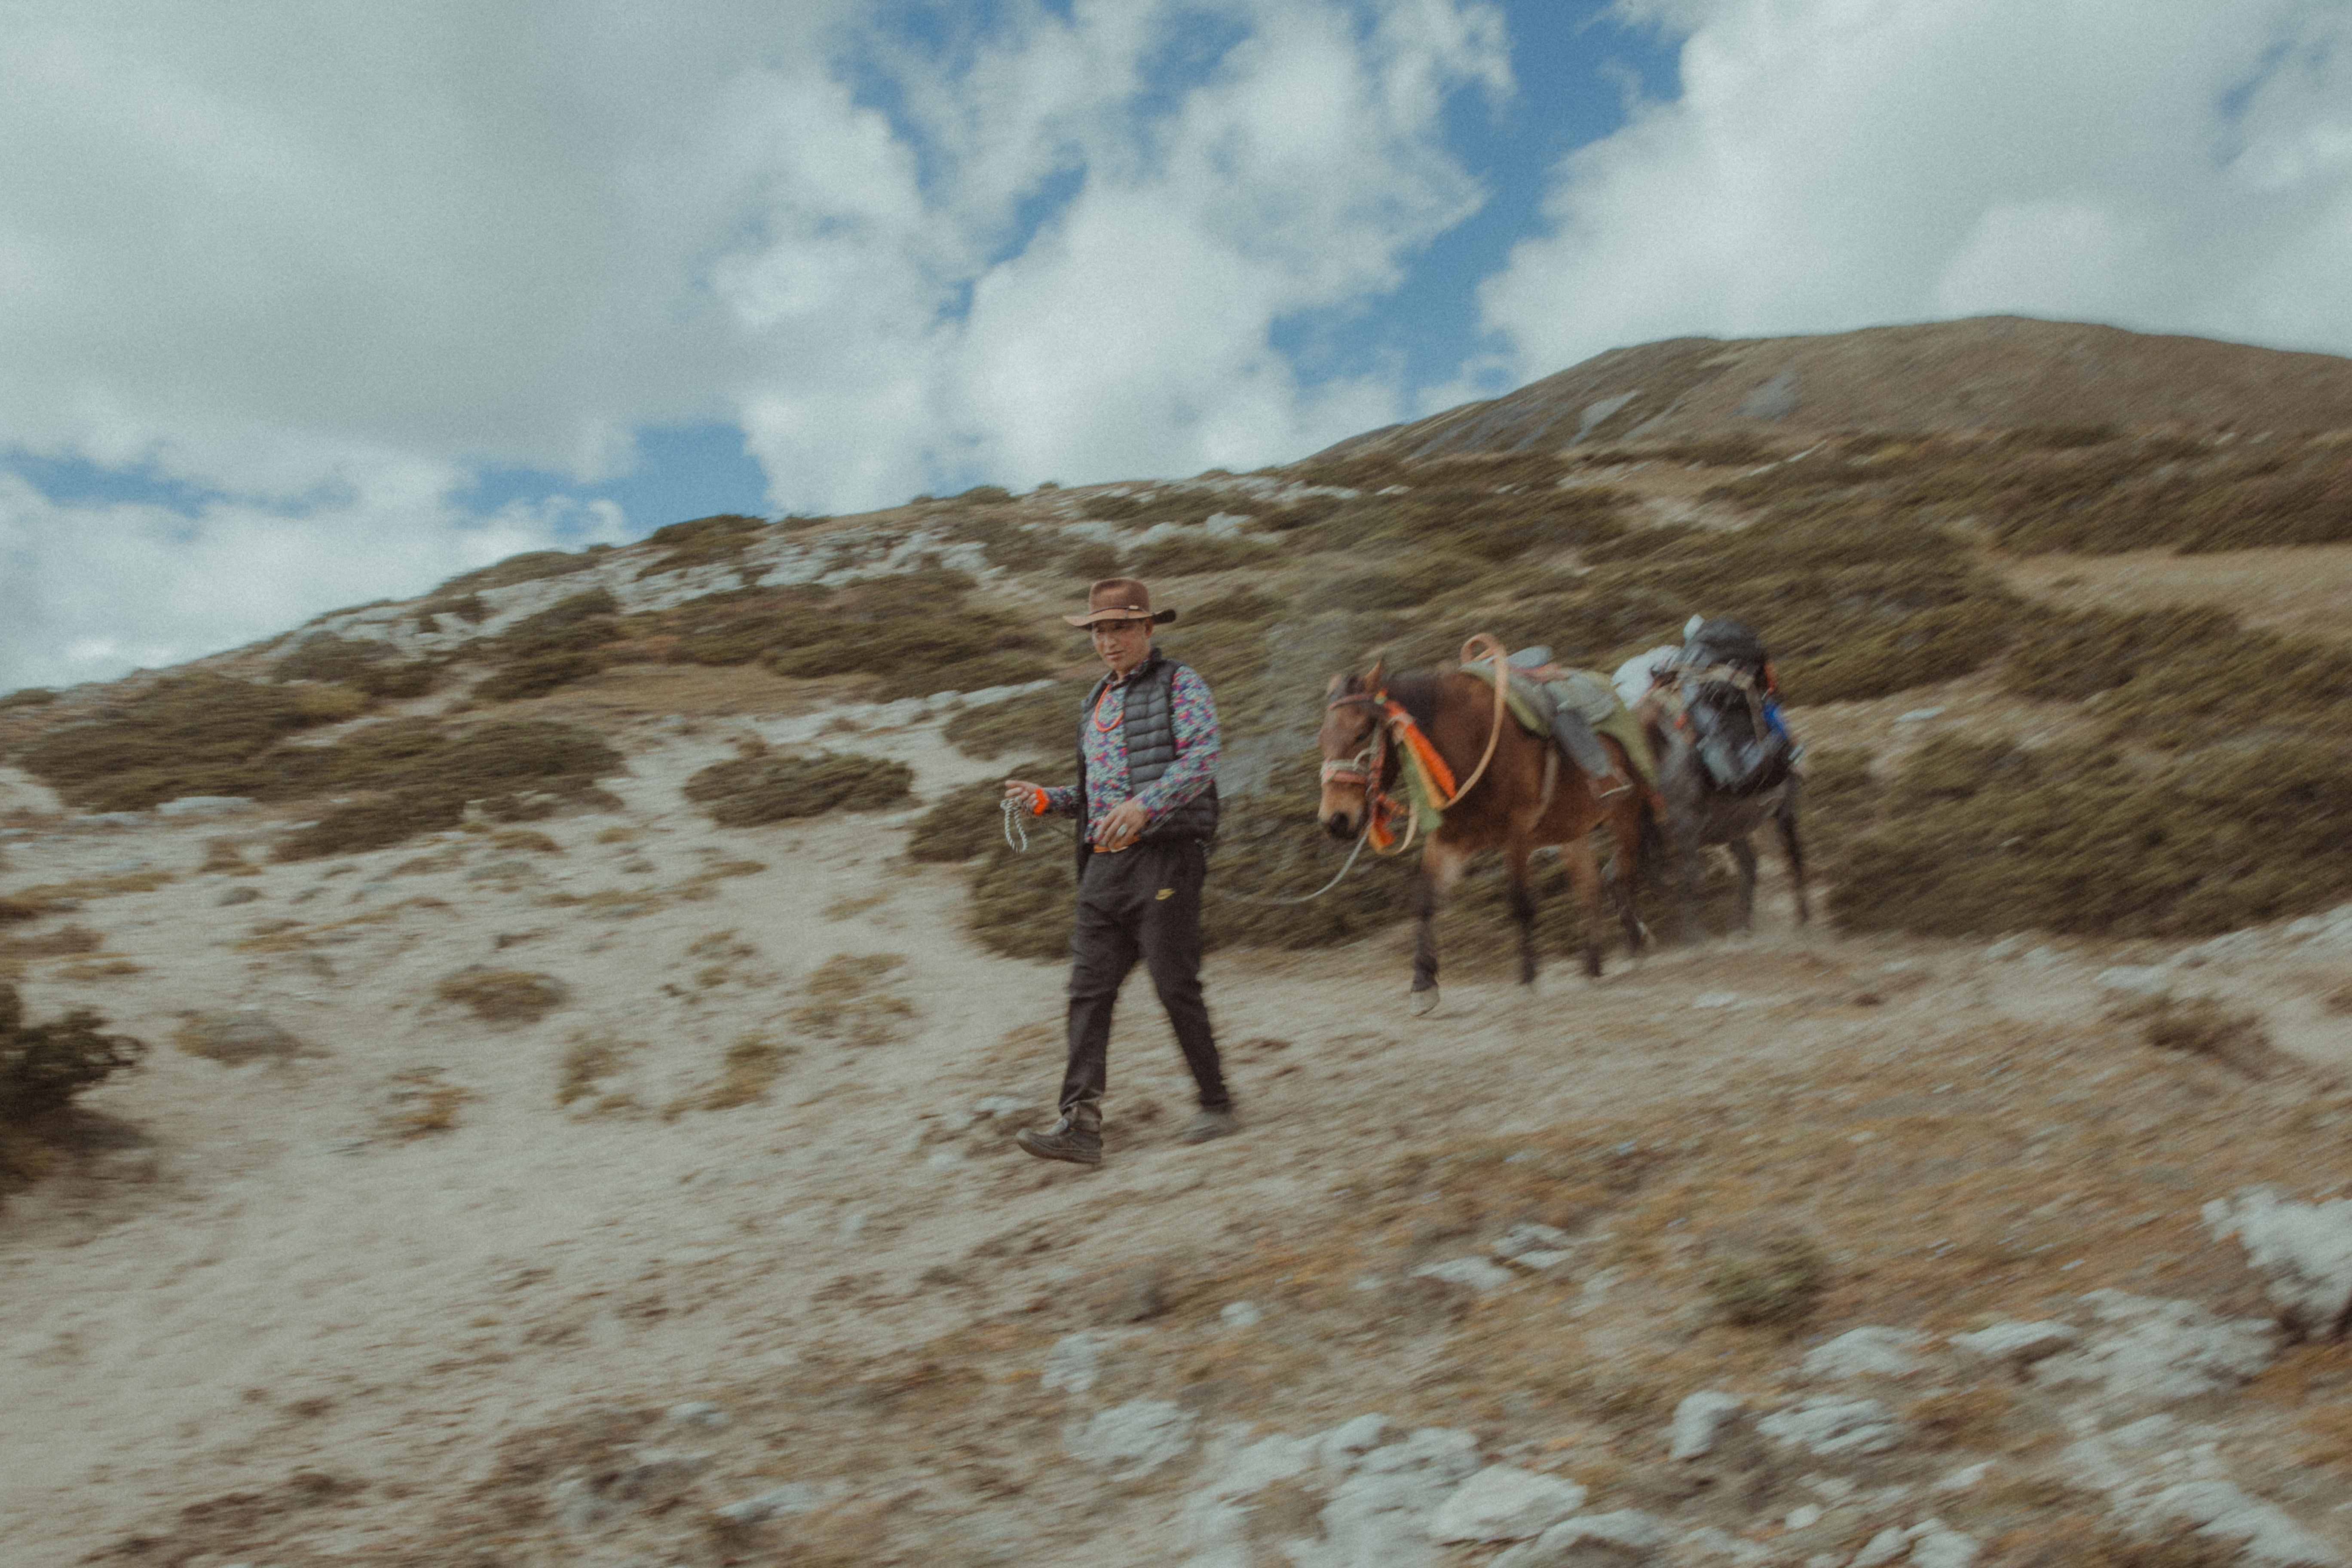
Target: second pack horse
(1450, 756)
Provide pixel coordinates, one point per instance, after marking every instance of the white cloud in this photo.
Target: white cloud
(281, 252)
(2182, 165)
(89, 592)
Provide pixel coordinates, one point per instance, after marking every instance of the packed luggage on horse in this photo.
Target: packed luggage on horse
(1727, 763)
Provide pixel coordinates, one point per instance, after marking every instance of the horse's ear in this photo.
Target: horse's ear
(1376, 678)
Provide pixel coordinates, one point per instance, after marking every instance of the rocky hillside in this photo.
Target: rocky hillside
(587, 1007)
(1990, 372)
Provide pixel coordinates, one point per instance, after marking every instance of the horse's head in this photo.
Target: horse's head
(1355, 759)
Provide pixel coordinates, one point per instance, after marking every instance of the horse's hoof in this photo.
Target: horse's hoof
(1424, 1002)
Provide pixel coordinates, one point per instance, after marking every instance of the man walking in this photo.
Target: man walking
(1146, 796)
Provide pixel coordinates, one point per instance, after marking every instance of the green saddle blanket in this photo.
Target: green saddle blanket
(1589, 694)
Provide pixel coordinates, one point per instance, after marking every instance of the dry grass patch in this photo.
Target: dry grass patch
(424, 1104)
(758, 787)
(97, 970)
(849, 1001)
(746, 1072)
(504, 995)
(587, 1061)
(42, 1067)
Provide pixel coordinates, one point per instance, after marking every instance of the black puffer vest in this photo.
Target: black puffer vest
(1149, 728)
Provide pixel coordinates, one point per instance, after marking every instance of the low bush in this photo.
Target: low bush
(537, 676)
(1187, 554)
(575, 625)
(747, 790)
(531, 566)
(323, 656)
(28, 697)
(188, 735)
(978, 672)
(376, 823)
(1034, 721)
(42, 1067)
(1011, 547)
(1090, 563)
(1401, 585)
(850, 1002)
(701, 541)
(1776, 1285)
(419, 776)
(960, 824)
(1978, 836)
(2201, 1025)
(746, 1072)
(413, 678)
(504, 995)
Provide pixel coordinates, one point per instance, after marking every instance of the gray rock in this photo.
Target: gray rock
(245, 1035)
(1937, 1547)
(1502, 1502)
(2146, 1348)
(2016, 1346)
(236, 896)
(1832, 1428)
(1866, 1352)
(1134, 1439)
(1375, 1518)
(1536, 1245)
(2304, 1252)
(1471, 1273)
(1620, 1539)
(1344, 1446)
(2224, 1512)
(655, 1475)
(579, 1506)
(1885, 1547)
(203, 805)
(1262, 1463)
(1698, 1421)
(1073, 1364)
(796, 1497)
(2145, 980)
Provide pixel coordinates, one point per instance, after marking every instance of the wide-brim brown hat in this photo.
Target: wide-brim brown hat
(1119, 599)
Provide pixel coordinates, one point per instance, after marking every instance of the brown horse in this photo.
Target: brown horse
(1526, 795)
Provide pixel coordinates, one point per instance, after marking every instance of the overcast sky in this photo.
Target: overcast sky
(306, 304)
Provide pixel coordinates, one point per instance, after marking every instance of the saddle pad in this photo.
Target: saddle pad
(1589, 694)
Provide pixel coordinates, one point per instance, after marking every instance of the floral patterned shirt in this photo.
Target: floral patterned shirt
(1194, 717)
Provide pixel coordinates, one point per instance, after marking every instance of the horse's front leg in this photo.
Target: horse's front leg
(1576, 855)
(1785, 820)
(1523, 907)
(1441, 868)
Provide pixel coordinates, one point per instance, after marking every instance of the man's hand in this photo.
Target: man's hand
(1122, 825)
(1028, 795)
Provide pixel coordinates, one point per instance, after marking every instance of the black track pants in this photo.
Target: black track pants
(1143, 902)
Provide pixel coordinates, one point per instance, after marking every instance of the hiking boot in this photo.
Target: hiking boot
(1210, 1124)
(1076, 1137)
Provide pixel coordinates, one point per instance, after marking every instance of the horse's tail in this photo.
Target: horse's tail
(1652, 844)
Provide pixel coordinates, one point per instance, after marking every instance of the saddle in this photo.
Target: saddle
(1541, 692)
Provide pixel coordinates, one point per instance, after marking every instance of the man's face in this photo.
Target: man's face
(1123, 645)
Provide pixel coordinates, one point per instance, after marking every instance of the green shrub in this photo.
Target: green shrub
(702, 541)
(323, 656)
(1020, 905)
(504, 995)
(374, 823)
(974, 672)
(1011, 547)
(419, 777)
(1090, 563)
(961, 823)
(28, 697)
(983, 495)
(42, 1067)
(569, 626)
(1980, 837)
(529, 567)
(413, 678)
(187, 734)
(1775, 1286)
(537, 676)
(1037, 721)
(750, 790)
(1186, 554)
(1407, 583)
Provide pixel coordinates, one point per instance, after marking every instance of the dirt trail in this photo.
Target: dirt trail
(266, 1279)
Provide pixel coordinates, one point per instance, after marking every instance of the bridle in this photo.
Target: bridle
(1370, 768)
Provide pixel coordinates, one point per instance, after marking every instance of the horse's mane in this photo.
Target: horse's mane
(1416, 692)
